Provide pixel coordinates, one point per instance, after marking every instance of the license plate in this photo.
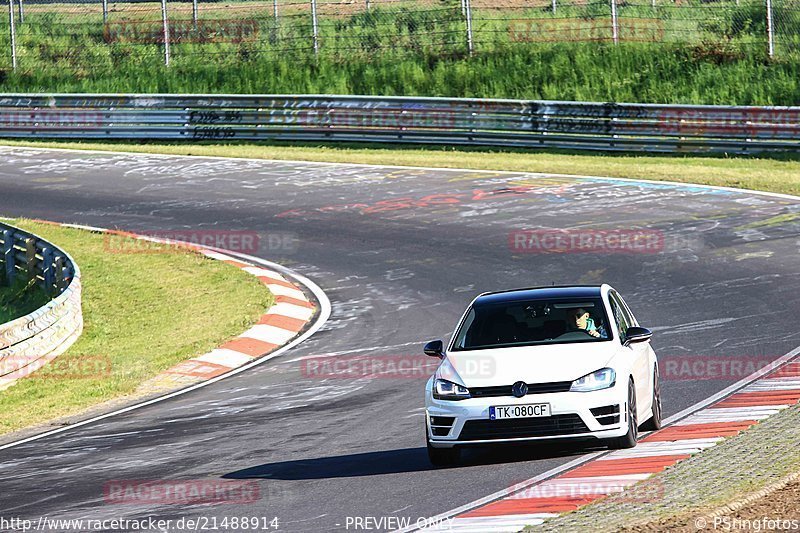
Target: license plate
(503, 412)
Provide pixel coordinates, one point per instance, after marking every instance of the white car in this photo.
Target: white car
(543, 363)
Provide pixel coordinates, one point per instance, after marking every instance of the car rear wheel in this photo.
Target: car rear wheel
(654, 423)
(629, 439)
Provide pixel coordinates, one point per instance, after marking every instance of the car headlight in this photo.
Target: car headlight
(601, 379)
(447, 390)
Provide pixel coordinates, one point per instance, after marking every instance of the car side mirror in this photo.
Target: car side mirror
(434, 349)
(637, 334)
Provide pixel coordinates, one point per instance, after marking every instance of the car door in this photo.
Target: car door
(639, 351)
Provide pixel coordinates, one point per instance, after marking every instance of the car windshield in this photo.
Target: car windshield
(533, 322)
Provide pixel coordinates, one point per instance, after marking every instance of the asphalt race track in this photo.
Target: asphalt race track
(400, 253)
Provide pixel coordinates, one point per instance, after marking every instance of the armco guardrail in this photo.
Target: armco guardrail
(506, 123)
(32, 340)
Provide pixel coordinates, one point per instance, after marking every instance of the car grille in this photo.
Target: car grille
(533, 388)
(523, 427)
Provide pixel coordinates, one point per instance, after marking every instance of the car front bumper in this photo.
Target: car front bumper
(571, 418)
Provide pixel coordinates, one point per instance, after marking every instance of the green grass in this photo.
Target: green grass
(779, 174)
(711, 54)
(143, 314)
(19, 299)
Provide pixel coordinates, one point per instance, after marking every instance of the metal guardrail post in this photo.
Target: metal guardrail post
(314, 26)
(47, 270)
(13, 34)
(165, 24)
(194, 14)
(8, 256)
(770, 31)
(614, 22)
(105, 11)
(468, 8)
(58, 266)
(30, 258)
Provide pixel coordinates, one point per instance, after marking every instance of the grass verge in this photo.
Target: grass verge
(143, 314)
(775, 174)
(19, 300)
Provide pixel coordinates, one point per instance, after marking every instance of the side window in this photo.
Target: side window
(627, 311)
(620, 317)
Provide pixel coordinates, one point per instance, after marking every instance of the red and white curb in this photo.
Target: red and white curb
(292, 319)
(601, 474)
(282, 322)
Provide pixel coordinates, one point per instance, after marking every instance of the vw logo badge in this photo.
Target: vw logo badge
(519, 389)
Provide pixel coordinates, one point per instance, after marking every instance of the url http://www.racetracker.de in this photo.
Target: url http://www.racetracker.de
(197, 523)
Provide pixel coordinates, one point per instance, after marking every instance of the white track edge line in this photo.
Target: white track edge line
(324, 314)
(581, 460)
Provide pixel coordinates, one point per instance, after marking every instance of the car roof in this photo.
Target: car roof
(539, 293)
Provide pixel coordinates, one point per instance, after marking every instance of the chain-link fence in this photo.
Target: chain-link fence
(89, 35)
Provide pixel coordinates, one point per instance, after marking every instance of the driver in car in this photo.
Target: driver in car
(579, 320)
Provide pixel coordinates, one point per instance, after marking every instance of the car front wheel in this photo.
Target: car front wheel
(441, 456)
(654, 423)
(629, 439)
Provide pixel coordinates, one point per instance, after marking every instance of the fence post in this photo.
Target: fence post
(367, 5)
(614, 22)
(468, 13)
(770, 31)
(554, 7)
(21, 12)
(194, 14)
(30, 258)
(13, 34)
(59, 273)
(165, 24)
(47, 270)
(314, 26)
(8, 255)
(105, 11)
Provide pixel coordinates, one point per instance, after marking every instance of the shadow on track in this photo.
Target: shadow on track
(399, 461)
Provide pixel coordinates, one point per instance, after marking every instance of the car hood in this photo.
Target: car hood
(531, 364)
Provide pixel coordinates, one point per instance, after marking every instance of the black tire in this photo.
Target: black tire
(629, 439)
(654, 422)
(441, 456)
